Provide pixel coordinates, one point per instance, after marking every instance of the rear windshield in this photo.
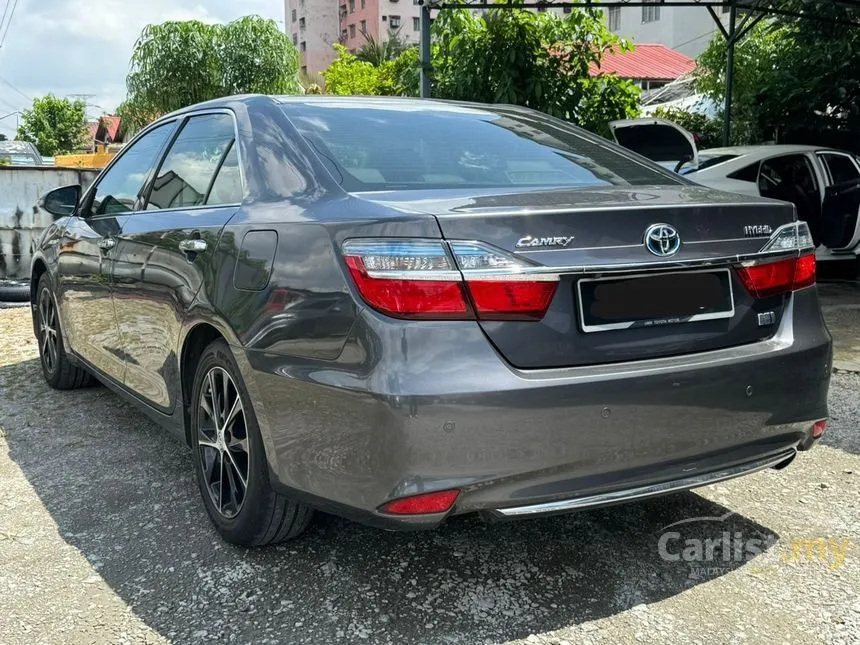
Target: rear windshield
(706, 161)
(389, 146)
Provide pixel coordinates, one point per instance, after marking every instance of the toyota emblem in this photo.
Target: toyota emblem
(662, 240)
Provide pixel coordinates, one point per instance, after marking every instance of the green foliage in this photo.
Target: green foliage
(176, 64)
(3, 137)
(55, 125)
(405, 70)
(539, 60)
(790, 76)
(708, 131)
(377, 52)
(349, 75)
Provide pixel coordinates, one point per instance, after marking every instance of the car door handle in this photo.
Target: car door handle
(195, 245)
(106, 243)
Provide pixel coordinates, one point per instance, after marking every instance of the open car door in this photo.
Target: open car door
(659, 140)
(840, 228)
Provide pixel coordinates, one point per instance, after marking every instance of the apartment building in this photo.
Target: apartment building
(316, 25)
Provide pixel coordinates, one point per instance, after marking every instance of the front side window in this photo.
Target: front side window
(382, 147)
(186, 177)
(840, 168)
(118, 190)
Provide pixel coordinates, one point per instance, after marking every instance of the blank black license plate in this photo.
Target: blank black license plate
(651, 300)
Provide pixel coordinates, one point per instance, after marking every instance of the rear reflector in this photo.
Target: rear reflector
(818, 428)
(429, 279)
(775, 278)
(439, 502)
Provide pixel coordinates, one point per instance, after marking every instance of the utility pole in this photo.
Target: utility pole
(730, 75)
(426, 66)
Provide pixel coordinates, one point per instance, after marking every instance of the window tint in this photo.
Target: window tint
(190, 166)
(747, 173)
(403, 145)
(227, 188)
(118, 190)
(840, 167)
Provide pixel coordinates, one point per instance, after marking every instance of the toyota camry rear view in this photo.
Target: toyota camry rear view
(400, 310)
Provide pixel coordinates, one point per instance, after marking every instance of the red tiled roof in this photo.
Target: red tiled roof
(111, 124)
(647, 62)
(92, 129)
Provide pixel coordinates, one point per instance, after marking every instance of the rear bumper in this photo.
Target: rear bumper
(417, 407)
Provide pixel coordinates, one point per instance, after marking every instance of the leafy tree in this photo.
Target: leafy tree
(539, 60)
(3, 137)
(176, 64)
(791, 76)
(55, 125)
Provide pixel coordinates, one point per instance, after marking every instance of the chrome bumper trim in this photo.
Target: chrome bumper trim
(642, 492)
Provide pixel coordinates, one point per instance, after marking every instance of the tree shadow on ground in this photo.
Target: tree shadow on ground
(122, 492)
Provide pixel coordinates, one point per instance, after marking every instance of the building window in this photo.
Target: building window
(343, 35)
(650, 11)
(567, 9)
(301, 3)
(394, 22)
(384, 18)
(363, 27)
(303, 46)
(305, 70)
(416, 24)
(295, 39)
(352, 30)
(301, 23)
(363, 2)
(294, 15)
(352, 6)
(615, 17)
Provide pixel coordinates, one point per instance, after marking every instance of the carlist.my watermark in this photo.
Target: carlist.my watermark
(709, 550)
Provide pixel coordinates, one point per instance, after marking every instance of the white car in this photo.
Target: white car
(822, 183)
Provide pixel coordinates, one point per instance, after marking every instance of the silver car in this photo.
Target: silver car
(401, 310)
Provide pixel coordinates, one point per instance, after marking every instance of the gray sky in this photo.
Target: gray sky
(84, 46)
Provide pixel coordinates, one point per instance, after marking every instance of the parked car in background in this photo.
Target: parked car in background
(19, 153)
(401, 310)
(822, 183)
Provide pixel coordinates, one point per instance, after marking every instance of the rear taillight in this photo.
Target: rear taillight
(412, 278)
(818, 428)
(775, 278)
(767, 279)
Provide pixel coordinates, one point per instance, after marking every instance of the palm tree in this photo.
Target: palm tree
(377, 52)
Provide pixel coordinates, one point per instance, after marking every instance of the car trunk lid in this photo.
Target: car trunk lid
(599, 234)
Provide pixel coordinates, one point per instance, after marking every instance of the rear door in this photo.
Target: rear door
(165, 252)
(840, 226)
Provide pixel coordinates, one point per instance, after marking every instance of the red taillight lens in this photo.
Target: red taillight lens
(514, 300)
(409, 298)
(818, 428)
(776, 278)
(439, 502)
(415, 278)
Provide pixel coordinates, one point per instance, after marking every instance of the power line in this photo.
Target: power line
(15, 89)
(5, 11)
(8, 23)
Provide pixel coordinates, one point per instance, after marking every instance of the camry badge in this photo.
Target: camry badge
(529, 242)
(662, 240)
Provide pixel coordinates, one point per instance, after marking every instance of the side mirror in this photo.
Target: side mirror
(61, 202)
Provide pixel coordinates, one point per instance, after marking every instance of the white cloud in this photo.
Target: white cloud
(84, 46)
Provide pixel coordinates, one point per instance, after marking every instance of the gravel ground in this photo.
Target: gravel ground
(103, 539)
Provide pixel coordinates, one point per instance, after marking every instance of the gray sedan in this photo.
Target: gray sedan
(402, 310)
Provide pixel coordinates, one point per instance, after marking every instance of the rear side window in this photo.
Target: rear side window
(840, 168)
(406, 146)
(193, 164)
(747, 173)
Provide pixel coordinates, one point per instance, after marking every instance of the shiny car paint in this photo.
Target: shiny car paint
(357, 408)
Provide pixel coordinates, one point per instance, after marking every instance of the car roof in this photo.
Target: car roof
(763, 150)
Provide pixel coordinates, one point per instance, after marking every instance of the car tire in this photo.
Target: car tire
(59, 372)
(230, 461)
